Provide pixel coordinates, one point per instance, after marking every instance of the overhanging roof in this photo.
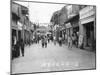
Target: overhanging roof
(73, 17)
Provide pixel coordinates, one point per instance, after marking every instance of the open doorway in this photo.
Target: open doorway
(89, 27)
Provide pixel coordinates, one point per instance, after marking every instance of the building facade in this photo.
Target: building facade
(87, 26)
(58, 19)
(72, 24)
(20, 24)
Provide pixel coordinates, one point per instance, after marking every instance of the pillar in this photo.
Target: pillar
(81, 35)
(94, 29)
(23, 32)
(17, 34)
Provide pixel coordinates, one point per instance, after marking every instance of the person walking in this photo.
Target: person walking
(42, 42)
(73, 39)
(54, 40)
(77, 39)
(38, 38)
(48, 39)
(69, 41)
(17, 48)
(14, 47)
(45, 41)
(22, 46)
(60, 41)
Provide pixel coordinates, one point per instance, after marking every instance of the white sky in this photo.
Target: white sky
(41, 12)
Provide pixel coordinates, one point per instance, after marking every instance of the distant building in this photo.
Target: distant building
(55, 17)
(59, 18)
(73, 19)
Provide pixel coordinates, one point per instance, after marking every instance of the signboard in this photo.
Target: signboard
(80, 40)
(19, 25)
(68, 25)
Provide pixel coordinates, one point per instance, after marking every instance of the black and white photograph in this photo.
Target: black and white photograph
(52, 37)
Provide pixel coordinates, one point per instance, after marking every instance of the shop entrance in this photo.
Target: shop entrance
(89, 28)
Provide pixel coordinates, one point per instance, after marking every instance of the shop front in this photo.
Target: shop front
(87, 27)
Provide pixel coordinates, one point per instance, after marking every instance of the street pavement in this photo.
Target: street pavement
(53, 58)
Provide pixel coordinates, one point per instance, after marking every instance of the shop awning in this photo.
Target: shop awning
(72, 17)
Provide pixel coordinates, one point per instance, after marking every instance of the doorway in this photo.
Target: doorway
(89, 29)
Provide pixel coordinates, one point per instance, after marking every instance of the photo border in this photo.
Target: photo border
(49, 71)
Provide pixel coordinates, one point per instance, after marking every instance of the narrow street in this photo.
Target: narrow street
(52, 58)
